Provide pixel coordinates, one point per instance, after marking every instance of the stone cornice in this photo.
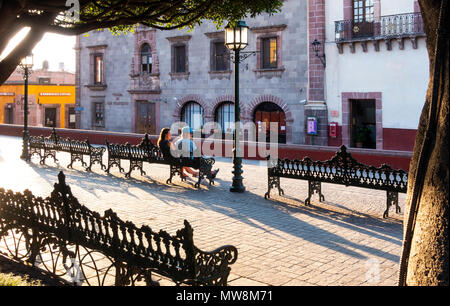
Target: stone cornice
(97, 47)
(181, 38)
(269, 29)
(144, 91)
(215, 35)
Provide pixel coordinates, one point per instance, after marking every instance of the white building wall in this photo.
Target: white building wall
(393, 7)
(401, 75)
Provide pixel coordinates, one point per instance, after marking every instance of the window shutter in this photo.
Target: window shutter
(180, 59)
(266, 53)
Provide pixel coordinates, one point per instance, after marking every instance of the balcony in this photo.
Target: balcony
(387, 28)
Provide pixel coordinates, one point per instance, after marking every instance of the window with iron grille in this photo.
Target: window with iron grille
(98, 114)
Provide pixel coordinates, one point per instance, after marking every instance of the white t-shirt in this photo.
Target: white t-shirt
(186, 147)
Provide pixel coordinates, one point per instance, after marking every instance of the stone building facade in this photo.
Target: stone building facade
(369, 73)
(144, 81)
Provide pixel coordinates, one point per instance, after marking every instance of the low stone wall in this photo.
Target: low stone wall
(223, 148)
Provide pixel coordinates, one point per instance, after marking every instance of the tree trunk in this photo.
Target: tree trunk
(425, 247)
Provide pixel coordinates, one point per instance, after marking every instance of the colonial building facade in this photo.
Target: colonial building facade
(144, 81)
(51, 98)
(362, 78)
(376, 74)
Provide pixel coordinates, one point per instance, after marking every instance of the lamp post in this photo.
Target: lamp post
(316, 48)
(26, 64)
(236, 39)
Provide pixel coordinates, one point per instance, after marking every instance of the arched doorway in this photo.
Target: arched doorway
(268, 112)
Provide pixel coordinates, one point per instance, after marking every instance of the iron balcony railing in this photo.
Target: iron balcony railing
(385, 27)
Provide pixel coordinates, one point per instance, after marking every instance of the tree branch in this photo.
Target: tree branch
(12, 60)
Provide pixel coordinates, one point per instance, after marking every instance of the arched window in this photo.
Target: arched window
(146, 59)
(268, 112)
(192, 113)
(225, 117)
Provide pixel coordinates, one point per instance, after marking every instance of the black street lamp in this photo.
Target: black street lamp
(26, 64)
(236, 39)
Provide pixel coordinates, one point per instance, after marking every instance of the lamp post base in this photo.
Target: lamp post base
(238, 188)
(237, 185)
(25, 153)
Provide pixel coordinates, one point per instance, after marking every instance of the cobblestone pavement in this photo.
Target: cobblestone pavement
(342, 241)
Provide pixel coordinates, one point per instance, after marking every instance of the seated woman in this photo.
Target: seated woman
(165, 144)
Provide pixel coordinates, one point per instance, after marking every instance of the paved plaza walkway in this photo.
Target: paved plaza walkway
(342, 241)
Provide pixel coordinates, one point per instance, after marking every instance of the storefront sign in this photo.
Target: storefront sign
(54, 94)
(7, 94)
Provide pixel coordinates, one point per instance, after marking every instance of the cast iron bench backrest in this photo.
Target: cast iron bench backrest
(144, 151)
(36, 142)
(51, 142)
(136, 152)
(75, 146)
(61, 218)
(342, 169)
(153, 152)
(117, 150)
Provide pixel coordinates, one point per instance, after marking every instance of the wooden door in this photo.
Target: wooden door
(71, 118)
(267, 113)
(363, 18)
(363, 123)
(50, 117)
(9, 114)
(145, 119)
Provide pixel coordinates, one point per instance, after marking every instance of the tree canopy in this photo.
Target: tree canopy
(73, 17)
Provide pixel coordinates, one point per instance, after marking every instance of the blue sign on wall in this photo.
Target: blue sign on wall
(311, 126)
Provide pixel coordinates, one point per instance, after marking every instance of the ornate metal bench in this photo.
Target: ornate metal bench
(146, 151)
(44, 147)
(59, 234)
(341, 169)
(48, 146)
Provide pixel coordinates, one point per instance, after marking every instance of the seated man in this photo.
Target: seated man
(189, 150)
(184, 145)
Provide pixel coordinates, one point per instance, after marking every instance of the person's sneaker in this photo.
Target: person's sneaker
(214, 173)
